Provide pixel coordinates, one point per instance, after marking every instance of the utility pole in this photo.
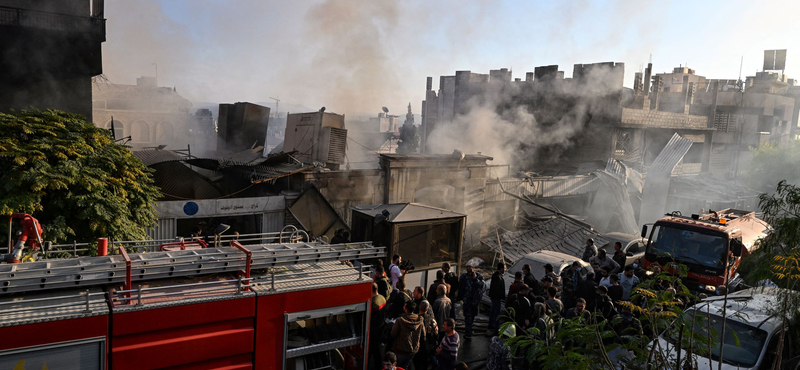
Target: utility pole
(156, 65)
(741, 122)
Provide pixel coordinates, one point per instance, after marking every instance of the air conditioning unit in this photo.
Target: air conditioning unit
(316, 137)
(332, 145)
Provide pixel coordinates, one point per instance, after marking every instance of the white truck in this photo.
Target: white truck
(752, 332)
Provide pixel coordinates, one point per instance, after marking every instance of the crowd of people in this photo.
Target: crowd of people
(418, 326)
(576, 293)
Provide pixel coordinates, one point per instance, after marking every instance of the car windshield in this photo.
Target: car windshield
(688, 246)
(742, 345)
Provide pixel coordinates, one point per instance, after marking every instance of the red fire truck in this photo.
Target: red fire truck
(711, 246)
(253, 303)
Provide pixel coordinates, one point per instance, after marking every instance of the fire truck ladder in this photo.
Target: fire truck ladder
(125, 268)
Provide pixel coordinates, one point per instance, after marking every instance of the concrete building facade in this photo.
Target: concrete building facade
(739, 114)
(49, 52)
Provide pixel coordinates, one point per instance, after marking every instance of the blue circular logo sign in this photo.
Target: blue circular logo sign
(190, 208)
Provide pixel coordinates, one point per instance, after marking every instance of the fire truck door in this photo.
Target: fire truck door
(84, 354)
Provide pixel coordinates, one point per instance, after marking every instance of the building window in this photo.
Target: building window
(429, 245)
(119, 129)
(725, 122)
(164, 132)
(140, 132)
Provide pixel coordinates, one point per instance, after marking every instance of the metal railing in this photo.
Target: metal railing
(293, 235)
(275, 277)
(139, 294)
(85, 300)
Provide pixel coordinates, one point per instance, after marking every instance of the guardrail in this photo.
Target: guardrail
(277, 277)
(215, 286)
(85, 300)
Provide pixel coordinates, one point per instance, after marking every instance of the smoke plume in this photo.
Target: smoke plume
(533, 124)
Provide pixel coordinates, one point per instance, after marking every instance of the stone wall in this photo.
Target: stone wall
(654, 118)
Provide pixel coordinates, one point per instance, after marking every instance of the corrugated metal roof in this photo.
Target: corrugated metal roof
(434, 157)
(556, 234)
(177, 181)
(541, 187)
(673, 152)
(151, 157)
(407, 212)
(656, 184)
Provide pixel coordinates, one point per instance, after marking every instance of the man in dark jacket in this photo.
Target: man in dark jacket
(548, 272)
(398, 299)
(619, 257)
(571, 279)
(375, 326)
(497, 292)
(452, 291)
(604, 304)
(470, 290)
(419, 297)
(517, 284)
(384, 285)
(588, 291)
(590, 250)
(432, 289)
(530, 280)
(578, 311)
(429, 342)
(615, 291)
(521, 305)
(408, 333)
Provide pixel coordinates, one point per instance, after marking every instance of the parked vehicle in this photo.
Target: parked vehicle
(711, 246)
(632, 245)
(537, 260)
(752, 332)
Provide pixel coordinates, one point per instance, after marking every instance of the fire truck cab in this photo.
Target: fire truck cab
(711, 246)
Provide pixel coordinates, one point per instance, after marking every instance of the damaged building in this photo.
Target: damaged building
(588, 102)
(146, 115)
(724, 118)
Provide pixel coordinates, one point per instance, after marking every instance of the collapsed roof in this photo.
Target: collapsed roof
(559, 233)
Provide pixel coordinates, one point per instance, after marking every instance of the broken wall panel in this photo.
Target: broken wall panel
(656, 185)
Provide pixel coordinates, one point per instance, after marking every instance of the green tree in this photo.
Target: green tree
(585, 343)
(73, 177)
(777, 257)
(772, 162)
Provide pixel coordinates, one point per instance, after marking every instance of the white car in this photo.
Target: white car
(750, 323)
(632, 245)
(536, 260)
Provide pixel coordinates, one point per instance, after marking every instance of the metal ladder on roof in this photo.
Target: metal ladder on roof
(126, 268)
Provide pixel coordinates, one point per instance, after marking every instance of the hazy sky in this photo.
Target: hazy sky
(356, 56)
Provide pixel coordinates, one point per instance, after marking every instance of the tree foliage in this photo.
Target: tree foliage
(772, 162)
(581, 344)
(777, 257)
(73, 177)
